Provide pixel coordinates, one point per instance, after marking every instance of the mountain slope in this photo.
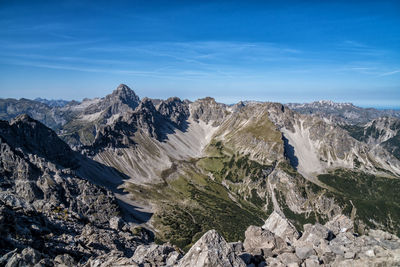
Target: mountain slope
(187, 159)
(383, 132)
(44, 205)
(205, 165)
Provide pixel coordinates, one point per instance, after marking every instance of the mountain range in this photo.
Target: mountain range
(108, 176)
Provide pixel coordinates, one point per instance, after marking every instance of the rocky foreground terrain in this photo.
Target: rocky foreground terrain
(124, 181)
(276, 243)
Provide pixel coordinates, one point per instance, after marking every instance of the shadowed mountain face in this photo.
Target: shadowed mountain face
(31, 136)
(182, 168)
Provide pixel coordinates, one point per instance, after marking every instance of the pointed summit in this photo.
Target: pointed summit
(124, 94)
(123, 87)
(121, 100)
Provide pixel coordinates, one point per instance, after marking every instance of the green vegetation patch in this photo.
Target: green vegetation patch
(233, 167)
(191, 204)
(77, 130)
(263, 129)
(376, 198)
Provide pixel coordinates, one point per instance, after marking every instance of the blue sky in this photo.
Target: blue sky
(285, 51)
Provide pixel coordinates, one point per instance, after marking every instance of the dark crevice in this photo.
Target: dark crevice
(289, 153)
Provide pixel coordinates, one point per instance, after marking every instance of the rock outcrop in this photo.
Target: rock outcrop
(174, 110)
(211, 250)
(281, 227)
(332, 244)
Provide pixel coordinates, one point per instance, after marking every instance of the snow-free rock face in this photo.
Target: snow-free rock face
(281, 227)
(340, 224)
(211, 250)
(208, 110)
(53, 117)
(265, 243)
(321, 245)
(156, 255)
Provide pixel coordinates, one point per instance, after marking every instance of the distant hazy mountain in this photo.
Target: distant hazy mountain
(342, 112)
(52, 102)
(205, 165)
(53, 117)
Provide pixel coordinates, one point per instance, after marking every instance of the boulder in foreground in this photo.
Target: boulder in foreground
(211, 250)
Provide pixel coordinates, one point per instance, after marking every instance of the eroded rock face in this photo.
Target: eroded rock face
(211, 250)
(174, 110)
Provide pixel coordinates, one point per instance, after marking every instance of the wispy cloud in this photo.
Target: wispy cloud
(390, 73)
(188, 59)
(75, 68)
(164, 73)
(192, 60)
(355, 47)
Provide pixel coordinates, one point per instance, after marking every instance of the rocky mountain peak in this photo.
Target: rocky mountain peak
(123, 87)
(124, 94)
(175, 110)
(121, 100)
(208, 110)
(146, 105)
(207, 99)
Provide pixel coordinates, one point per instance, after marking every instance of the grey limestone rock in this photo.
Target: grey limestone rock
(259, 241)
(281, 227)
(156, 255)
(340, 223)
(211, 250)
(116, 223)
(304, 251)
